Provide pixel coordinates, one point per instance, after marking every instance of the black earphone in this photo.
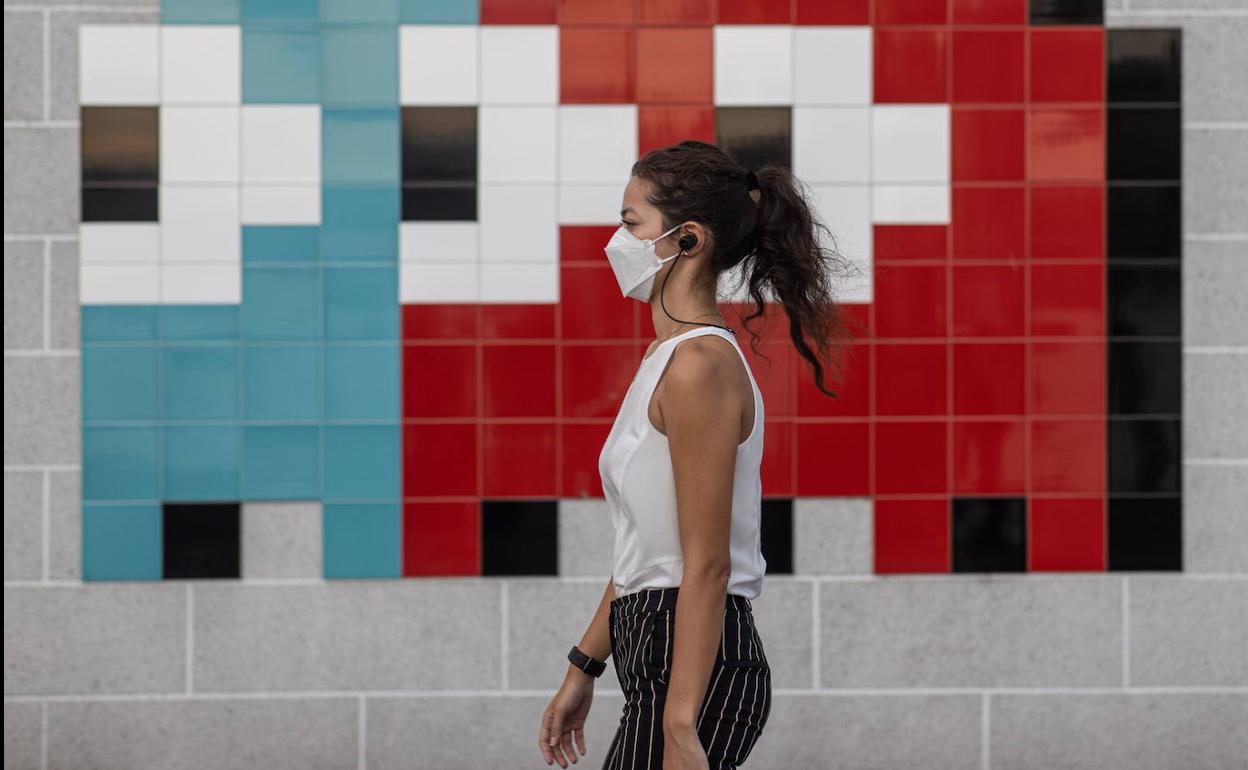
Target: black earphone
(687, 241)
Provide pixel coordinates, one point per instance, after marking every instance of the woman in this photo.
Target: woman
(680, 467)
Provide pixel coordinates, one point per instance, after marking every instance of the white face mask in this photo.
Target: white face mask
(635, 263)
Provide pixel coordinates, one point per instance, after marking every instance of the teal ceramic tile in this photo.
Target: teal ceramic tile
(280, 243)
(217, 323)
(119, 382)
(361, 462)
(201, 462)
(120, 463)
(360, 66)
(121, 542)
(439, 11)
(199, 382)
(362, 541)
(281, 462)
(281, 66)
(199, 11)
(281, 303)
(362, 382)
(360, 223)
(360, 146)
(282, 382)
(361, 303)
(281, 14)
(360, 11)
(117, 323)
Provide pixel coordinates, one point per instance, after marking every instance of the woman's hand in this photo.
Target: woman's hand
(682, 750)
(564, 718)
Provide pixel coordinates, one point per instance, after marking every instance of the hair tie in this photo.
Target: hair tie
(751, 181)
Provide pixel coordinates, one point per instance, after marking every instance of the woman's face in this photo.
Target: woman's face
(643, 220)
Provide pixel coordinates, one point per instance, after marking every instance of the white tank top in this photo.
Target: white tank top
(640, 488)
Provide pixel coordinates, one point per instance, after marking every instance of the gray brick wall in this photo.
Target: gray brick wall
(1139, 671)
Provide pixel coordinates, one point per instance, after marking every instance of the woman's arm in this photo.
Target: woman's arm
(596, 643)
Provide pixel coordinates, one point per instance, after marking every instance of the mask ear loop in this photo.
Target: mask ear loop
(663, 305)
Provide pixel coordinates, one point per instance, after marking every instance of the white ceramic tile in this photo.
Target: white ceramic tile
(119, 64)
(832, 65)
(438, 241)
(910, 143)
(429, 282)
(119, 284)
(195, 284)
(519, 64)
(910, 204)
(199, 144)
(281, 143)
(521, 282)
(597, 143)
(846, 210)
(117, 242)
(270, 204)
(832, 144)
(518, 223)
(516, 144)
(438, 63)
(200, 64)
(754, 64)
(199, 224)
(591, 204)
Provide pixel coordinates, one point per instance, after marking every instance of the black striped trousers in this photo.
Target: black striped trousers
(738, 697)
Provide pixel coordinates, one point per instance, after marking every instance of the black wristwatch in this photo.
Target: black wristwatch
(585, 663)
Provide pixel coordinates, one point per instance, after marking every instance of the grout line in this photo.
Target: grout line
(362, 726)
(47, 294)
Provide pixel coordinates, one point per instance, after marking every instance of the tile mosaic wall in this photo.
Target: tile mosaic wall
(350, 252)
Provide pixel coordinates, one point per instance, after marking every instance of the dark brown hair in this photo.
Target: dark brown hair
(775, 241)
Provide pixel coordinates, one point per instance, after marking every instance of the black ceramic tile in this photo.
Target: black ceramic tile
(989, 534)
(201, 540)
(1143, 143)
(519, 537)
(1066, 12)
(1144, 221)
(120, 145)
(1145, 377)
(1144, 455)
(754, 135)
(1143, 65)
(120, 204)
(1145, 533)
(439, 144)
(776, 535)
(440, 202)
(1144, 300)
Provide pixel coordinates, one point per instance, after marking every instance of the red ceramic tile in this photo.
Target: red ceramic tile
(988, 66)
(911, 458)
(910, 11)
(597, 65)
(988, 378)
(517, 12)
(519, 380)
(911, 536)
(591, 306)
(910, 301)
(832, 458)
(674, 64)
(910, 380)
(857, 318)
(988, 300)
(660, 126)
(987, 144)
(1067, 222)
(440, 322)
(1067, 299)
(595, 378)
(988, 457)
(582, 444)
(439, 381)
(519, 321)
(776, 472)
(987, 223)
(595, 12)
(841, 12)
(1067, 535)
(1053, 388)
(910, 242)
(675, 11)
(439, 459)
(519, 459)
(1067, 64)
(1068, 456)
(754, 12)
(989, 11)
(1066, 144)
(853, 395)
(441, 539)
(909, 66)
(584, 243)
(774, 369)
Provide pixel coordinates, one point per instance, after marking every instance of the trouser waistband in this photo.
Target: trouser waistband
(651, 599)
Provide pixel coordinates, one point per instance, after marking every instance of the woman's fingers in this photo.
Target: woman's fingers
(567, 747)
(580, 739)
(543, 737)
